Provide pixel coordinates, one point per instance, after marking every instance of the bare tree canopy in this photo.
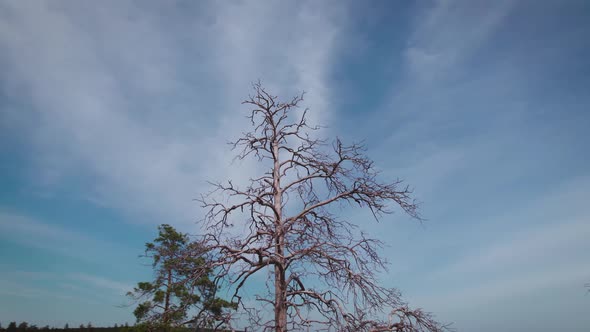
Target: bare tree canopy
(321, 270)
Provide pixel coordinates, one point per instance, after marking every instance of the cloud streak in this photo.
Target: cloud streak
(58, 240)
(479, 105)
(101, 282)
(118, 96)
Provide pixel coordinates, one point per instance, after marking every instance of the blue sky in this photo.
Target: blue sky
(114, 114)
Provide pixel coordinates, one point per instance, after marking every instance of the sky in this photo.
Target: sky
(115, 114)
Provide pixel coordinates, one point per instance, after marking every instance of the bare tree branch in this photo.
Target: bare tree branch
(323, 270)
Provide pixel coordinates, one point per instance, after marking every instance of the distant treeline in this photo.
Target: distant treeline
(25, 327)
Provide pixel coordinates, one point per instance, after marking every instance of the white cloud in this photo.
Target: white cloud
(56, 239)
(19, 226)
(450, 31)
(437, 99)
(11, 288)
(101, 282)
(532, 282)
(78, 285)
(553, 244)
(512, 260)
(143, 103)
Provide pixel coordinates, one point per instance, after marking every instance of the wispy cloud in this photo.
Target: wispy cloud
(479, 105)
(24, 227)
(553, 244)
(60, 242)
(519, 260)
(63, 285)
(101, 282)
(16, 289)
(449, 32)
(530, 282)
(131, 97)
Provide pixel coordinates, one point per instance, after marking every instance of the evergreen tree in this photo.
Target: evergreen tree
(22, 327)
(11, 327)
(167, 301)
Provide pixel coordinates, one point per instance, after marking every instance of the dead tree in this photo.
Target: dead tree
(321, 270)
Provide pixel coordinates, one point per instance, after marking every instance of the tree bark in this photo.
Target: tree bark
(307, 242)
(280, 286)
(167, 300)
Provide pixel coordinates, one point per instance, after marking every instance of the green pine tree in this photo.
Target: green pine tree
(166, 302)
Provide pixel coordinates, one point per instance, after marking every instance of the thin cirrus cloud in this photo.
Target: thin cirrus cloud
(14, 289)
(56, 239)
(60, 244)
(57, 298)
(101, 283)
(19, 283)
(559, 238)
(479, 105)
(448, 33)
(106, 99)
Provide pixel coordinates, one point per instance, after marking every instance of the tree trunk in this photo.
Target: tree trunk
(280, 301)
(280, 286)
(167, 301)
